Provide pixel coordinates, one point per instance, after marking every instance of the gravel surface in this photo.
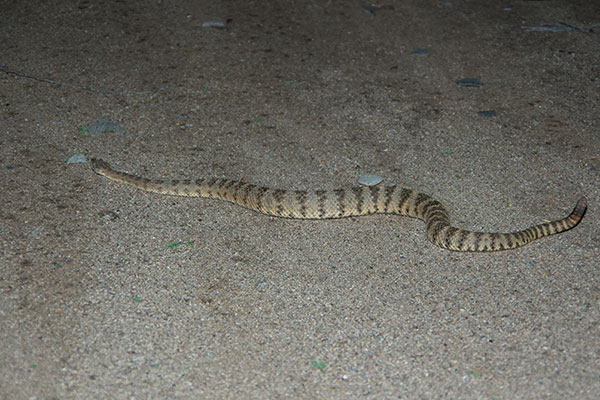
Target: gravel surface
(107, 291)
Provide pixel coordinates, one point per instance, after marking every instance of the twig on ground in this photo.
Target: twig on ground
(116, 92)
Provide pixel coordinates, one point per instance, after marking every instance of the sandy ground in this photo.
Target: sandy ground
(107, 291)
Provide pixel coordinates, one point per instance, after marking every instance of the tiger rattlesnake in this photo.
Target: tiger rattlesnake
(350, 202)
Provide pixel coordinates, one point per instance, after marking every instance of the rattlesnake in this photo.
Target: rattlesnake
(356, 201)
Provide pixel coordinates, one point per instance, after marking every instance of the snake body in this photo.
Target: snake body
(349, 202)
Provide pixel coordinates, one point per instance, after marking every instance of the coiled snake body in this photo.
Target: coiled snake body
(356, 201)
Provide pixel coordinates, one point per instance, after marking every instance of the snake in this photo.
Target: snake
(349, 202)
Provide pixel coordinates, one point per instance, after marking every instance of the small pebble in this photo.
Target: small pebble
(102, 125)
(419, 52)
(369, 179)
(369, 9)
(213, 24)
(469, 82)
(487, 113)
(76, 159)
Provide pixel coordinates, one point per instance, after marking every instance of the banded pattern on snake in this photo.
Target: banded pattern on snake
(356, 201)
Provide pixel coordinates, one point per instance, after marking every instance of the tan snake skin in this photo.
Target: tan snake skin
(356, 201)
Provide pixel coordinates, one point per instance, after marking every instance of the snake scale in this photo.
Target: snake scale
(349, 202)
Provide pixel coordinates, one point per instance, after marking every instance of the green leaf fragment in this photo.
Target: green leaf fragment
(319, 365)
(179, 243)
